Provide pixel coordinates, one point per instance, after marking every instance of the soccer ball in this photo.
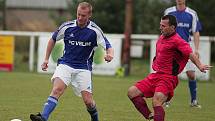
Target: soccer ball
(16, 120)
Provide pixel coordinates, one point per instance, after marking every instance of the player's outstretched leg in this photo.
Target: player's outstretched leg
(141, 106)
(90, 105)
(49, 106)
(139, 102)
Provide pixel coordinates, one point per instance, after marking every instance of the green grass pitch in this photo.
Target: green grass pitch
(25, 93)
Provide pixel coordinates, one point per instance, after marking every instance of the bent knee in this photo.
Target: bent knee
(158, 99)
(89, 103)
(88, 99)
(57, 91)
(191, 75)
(133, 92)
(156, 102)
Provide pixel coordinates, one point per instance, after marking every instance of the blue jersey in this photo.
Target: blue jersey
(80, 43)
(188, 21)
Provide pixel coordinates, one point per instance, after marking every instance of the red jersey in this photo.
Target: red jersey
(172, 54)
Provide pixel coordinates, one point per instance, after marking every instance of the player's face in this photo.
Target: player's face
(165, 28)
(83, 15)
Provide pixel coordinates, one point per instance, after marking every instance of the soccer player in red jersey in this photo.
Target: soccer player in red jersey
(172, 54)
(188, 24)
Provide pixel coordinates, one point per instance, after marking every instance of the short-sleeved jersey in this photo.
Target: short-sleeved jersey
(80, 43)
(188, 21)
(172, 54)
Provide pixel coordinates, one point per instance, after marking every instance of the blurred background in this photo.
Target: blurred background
(131, 25)
(46, 15)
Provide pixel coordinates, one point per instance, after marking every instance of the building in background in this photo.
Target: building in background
(35, 15)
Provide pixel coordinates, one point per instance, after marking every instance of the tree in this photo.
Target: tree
(3, 14)
(147, 15)
(205, 10)
(109, 15)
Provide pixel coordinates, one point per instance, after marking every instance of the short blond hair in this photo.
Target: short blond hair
(85, 5)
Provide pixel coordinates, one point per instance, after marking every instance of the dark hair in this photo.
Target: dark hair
(172, 20)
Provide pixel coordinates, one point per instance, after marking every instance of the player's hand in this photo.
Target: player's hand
(204, 68)
(44, 66)
(108, 57)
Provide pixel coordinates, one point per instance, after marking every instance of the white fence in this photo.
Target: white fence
(32, 36)
(136, 37)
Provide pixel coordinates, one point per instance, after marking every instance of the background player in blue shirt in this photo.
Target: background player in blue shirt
(81, 37)
(188, 24)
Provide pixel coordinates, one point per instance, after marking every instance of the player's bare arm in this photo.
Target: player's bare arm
(109, 55)
(196, 36)
(196, 61)
(50, 46)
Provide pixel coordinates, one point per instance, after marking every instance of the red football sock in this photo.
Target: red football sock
(159, 113)
(141, 106)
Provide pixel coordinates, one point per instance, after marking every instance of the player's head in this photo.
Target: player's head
(84, 12)
(180, 2)
(168, 25)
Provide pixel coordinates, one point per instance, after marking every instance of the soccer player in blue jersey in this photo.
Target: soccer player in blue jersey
(188, 24)
(81, 37)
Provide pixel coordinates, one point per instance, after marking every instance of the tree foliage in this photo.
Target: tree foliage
(205, 10)
(147, 14)
(110, 15)
(2, 14)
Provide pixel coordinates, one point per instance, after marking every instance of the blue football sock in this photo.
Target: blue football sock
(49, 106)
(94, 114)
(193, 87)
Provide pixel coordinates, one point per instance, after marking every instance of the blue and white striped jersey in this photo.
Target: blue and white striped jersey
(80, 43)
(188, 21)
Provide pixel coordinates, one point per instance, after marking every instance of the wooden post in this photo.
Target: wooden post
(127, 33)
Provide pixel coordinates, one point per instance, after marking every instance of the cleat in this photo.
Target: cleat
(167, 104)
(195, 104)
(37, 117)
(150, 116)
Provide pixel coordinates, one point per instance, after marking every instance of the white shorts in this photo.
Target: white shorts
(80, 79)
(190, 66)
